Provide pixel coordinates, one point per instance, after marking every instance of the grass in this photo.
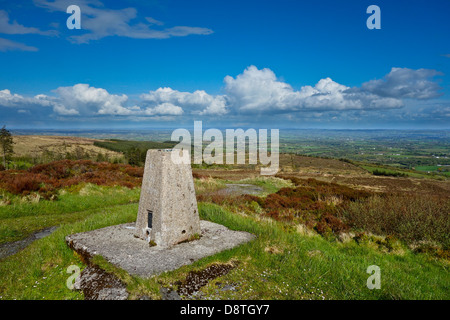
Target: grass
(426, 168)
(285, 261)
(434, 169)
(207, 184)
(34, 146)
(123, 146)
(280, 264)
(39, 271)
(391, 171)
(24, 217)
(269, 184)
(306, 267)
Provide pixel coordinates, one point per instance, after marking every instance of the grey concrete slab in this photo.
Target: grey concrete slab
(119, 246)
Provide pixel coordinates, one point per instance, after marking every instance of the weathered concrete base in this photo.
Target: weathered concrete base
(97, 284)
(118, 245)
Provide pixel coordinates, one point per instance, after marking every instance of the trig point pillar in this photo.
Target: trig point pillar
(168, 212)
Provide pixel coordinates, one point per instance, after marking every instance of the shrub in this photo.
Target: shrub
(410, 218)
(312, 202)
(20, 183)
(196, 175)
(46, 178)
(135, 171)
(377, 172)
(331, 223)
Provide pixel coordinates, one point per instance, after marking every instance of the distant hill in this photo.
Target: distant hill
(35, 145)
(127, 145)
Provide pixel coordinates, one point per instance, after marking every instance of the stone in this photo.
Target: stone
(167, 294)
(168, 212)
(134, 255)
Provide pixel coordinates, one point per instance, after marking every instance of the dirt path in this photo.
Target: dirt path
(10, 248)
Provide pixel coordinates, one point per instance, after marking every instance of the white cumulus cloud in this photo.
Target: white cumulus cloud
(14, 100)
(198, 101)
(259, 90)
(90, 100)
(165, 108)
(254, 91)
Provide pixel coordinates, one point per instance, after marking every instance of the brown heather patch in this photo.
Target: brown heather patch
(315, 204)
(411, 186)
(197, 175)
(48, 178)
(418, 218)
(332, 224)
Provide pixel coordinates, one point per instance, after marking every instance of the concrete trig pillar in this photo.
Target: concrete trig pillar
(168, 212)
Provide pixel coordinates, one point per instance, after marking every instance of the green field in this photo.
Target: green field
(126, 145)
(395, 172)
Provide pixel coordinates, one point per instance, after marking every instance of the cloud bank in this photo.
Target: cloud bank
(405, 83)
(253, 92)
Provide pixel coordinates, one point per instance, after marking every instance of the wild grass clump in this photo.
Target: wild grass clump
(414, 219)
(207, 185)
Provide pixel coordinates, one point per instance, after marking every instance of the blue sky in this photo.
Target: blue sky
(279, 64)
